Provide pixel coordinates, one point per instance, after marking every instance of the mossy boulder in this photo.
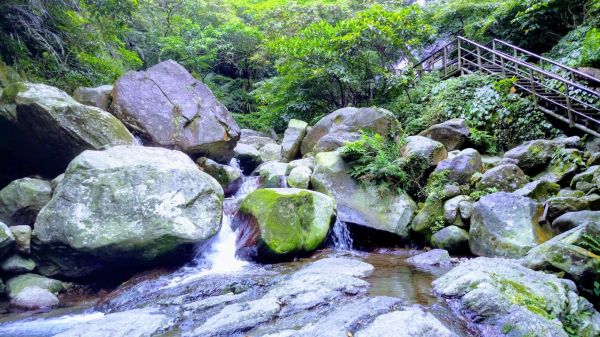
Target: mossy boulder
(228, 177)
(588, 180)
(22, 200)
(533, 156)
(292, 139)
(166, 106)
(461, 167)
(452, 238)
(50, 128)
(504, 224)
(17, 264)
(575, 252)
(572, 220)
(452, 133)
(16, 284)
(299, 177)
(7, 239)
(426, 148)
(564, 165)
(500, 297)
(34, 298)
(123, 207)
(279, 223)
(557, 206)
(452, 210)
(360, 204)
(539, 190)
(273, 174)
(430, 219)
(507, 178)
(22, 236)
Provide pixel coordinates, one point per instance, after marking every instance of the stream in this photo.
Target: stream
(216, 272)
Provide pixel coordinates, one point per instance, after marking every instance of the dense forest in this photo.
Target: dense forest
(272, 60)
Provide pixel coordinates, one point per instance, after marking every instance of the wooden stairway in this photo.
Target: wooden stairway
(560, 91)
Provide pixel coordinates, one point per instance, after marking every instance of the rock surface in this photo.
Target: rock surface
(299, 177)
(359, 204)
(281, 222)
(16, 264)
(344, 125)
(503, 178)
(434, 257)
(124, 205)
(424, 147)
(292, 139)
(461, 167)
(22, 200)
(410, 322)
(452, 133)
(16, 284)
(503, 298)
(7, 239)
(533, 156)
(34, 298)
(228, 177)
(504, 224)
(167, 107)
(99, 97)
(452, 238)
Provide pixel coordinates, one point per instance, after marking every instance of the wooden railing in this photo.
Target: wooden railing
(560, 91)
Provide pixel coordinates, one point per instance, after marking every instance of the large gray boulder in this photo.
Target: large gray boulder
(462, 167)
(34, 298)
(229, 177)
(408, 322)
(452, 238)
(433, 151)
(359, 204)
(502, 298)
(504, 224)
(292, 139)
(452, 133)
(22, 200)
(99, 96)
(344, 125)
(128, 204)
(49, 129)
(533, 156)
(166, 106)
(16, 284)
(507, 178)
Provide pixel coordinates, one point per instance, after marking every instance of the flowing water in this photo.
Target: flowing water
(216, 270)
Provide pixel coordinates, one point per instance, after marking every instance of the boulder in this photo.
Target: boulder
(434, 257)
(292, 140)
(16, 284)
(587, 180)
(7, 239)
(430, 218)
(228, 177)
(22, 200)
(99, 97)
(50, 128)
(166, 106)
(557, 206)
(426, 148)
(462, 167)
(34, 298)
(143, 322)
(499, 297)
(126, 205)
(408, 322)
(452, 214)
(503, 178)
(533, 156)
(571, 220)
(465, 209)
(539, 190)
(304, 162)
(16, 264)
(270, 152)
(22, 235)
(452, 238)
(54, 182)
(344, 125)
(277, 223)
(562, 169)
(273, 174)
(247, 156)
(361, 204)
(504, 224)
(452, 133)
(299, 177)
(575, 252)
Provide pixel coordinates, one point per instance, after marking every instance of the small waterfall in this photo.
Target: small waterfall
(219, 257)
(342, 240)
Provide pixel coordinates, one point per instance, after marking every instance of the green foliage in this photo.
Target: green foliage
(376, 159)
(478, 194)
(590, 52)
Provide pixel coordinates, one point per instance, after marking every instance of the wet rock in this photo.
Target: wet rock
(292, 139)
(213, 301)
(423, 147)
(34, 298)
(50, 128)
(571, 220)
(166, 106)
(94, 220)
(462, 167)
(273, 174)
(533, 156)
(16, 264)
(539, 190)
(452, 133)
(144, 322)
(16, 284)
(7, 239)
(299, 177)
(434, 257)
(284, 222)
(503, 178)
(344, 125)
(22, 200)
(99, 97)
(22, 236)
(359, 204)
(557, 206)
(504, 224)
(248, 157)
(270, 152)
(503, 298)
(239, 317)
(452, 238)
(409, 322)
(575, 252)
(228, 177)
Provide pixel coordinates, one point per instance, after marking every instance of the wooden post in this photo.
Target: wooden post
(502, 66)
(569, 112)
(445, 61)
(479, 58)
(460, 57)
(533, 91)
(494, 49)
